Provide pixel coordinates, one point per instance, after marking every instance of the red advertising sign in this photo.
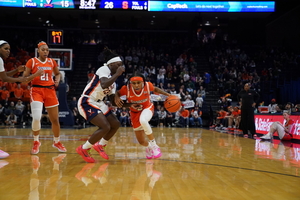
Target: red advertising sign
(263, 123)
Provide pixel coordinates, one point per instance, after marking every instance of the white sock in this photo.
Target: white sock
(36, 138)
(56, 139)
(152, 142)
(103, 142)
(87, 145)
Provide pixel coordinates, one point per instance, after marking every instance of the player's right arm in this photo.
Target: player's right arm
(27, 72)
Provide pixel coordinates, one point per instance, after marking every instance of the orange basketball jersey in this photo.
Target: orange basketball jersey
(143, 98)
(48, 65)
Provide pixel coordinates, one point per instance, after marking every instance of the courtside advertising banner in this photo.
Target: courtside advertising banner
(263, 123)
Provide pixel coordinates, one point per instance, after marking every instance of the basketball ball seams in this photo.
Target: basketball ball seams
(172, 103)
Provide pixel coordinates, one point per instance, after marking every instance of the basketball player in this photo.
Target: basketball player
(92, 107)
(43, 92)
(137, 91)
(4, 76)
(284, 130)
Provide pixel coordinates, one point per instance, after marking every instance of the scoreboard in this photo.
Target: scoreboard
(147, 5)
(125, 5)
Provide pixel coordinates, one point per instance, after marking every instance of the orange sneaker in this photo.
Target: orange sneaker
(60, 147)
(85, 154)
(100, 149)
(36, 147)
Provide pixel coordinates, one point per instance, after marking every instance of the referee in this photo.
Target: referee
(248, 99)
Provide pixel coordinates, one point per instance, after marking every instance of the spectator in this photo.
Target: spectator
(272, 106)
(11, 119)
(202, 92)
(19, 110)
(206, 79)
(236, 117)
(184, 117)
(195, 119)
(162, 114)
(2, 114)
(199, 101)
(26, 94)
(18, 92)
(73, 103)
(4, 96)
(160, 78)
(289, 107)
(124, 117)
(278, 109)
(169, 119)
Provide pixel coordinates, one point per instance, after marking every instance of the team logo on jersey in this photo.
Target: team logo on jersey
(90, 112)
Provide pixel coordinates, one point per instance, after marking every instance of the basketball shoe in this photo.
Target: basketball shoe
(3, 154)
(85, 154)
(149, 153)
(267, 136)
(36, 147)
(60, 147)
(100, 149)
(156, 151)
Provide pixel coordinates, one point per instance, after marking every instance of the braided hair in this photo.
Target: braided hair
(108, 54)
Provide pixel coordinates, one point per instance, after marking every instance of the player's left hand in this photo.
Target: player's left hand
(118, 101)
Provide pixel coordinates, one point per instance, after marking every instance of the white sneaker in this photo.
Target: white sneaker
(156, 151)
(266, 137)
(149, 153)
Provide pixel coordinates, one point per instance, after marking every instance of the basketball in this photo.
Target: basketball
(172, 103)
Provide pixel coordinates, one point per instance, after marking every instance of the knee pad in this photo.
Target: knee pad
(36, 110)
(144, 120)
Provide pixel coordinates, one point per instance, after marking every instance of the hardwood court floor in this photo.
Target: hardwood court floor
(196, 164)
